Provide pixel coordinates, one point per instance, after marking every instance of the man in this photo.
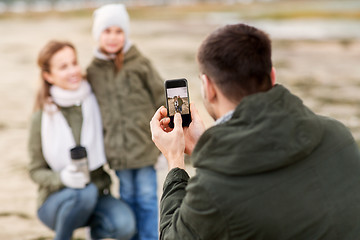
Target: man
(269, 169)
(180, 103)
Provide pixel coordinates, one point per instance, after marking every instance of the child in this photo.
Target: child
(67, 115)
(129, 90)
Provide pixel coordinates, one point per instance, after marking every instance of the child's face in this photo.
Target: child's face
(64, 70)
(112, 39)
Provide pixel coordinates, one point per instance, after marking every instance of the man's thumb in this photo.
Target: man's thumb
(177, 120)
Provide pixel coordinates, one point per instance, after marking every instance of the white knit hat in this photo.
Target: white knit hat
(111, 15)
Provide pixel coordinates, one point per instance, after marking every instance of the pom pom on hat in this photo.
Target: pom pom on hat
(111, 15)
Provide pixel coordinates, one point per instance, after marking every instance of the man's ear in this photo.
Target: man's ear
(209, 88)
(273, 76)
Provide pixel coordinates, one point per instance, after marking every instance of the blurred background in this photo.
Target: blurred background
(316, 51)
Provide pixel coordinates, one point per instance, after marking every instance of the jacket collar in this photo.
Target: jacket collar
(268, 130)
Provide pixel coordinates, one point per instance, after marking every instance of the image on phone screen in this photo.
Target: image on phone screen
(178, 100)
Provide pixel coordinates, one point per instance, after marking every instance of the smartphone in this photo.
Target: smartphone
(177, 100)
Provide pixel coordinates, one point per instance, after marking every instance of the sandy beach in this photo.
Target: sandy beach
(323, 70)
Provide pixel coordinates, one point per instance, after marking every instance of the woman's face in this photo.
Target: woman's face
(64, 70)
(112, 39)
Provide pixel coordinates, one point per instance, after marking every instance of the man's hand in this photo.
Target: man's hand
(170, 142)
(194, 131)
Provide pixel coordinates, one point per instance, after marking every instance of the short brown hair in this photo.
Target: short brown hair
(237, 58)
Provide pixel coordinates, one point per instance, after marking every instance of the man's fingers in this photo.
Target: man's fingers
(163, 111)
(164, 123)
(155, 121)
(157, 115)
(155, 124)
(194, 111)
(177, 121)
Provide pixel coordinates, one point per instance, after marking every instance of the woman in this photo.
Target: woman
(67, 115)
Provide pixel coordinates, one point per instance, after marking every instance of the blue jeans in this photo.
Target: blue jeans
(69, 209)
(138, 188)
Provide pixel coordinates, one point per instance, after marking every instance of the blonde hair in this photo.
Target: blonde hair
(43, 61)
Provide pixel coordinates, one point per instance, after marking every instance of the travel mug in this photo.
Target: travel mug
(79, 159)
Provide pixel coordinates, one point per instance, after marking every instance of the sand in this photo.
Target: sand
(325, 73)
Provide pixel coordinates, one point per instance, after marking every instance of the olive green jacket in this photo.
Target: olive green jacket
(48, 180)
(274, 171)
(128, 100)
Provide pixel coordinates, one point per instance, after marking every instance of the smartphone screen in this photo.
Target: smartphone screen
(177, 100)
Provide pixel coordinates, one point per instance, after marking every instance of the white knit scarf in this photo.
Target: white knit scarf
(56, 135)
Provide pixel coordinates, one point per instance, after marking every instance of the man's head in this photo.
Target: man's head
(237, 60)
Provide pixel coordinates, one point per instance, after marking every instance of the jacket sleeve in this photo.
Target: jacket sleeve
(186, 210)
(155, 85)
(101, 179)
(39, 171)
